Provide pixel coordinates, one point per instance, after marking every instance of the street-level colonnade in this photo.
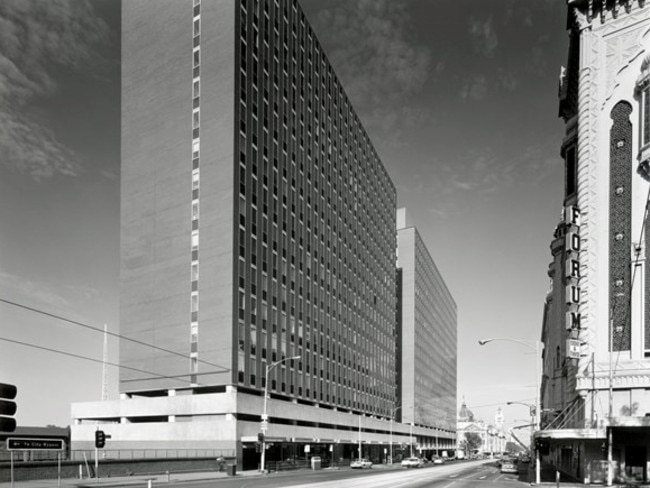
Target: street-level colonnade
(230, 419)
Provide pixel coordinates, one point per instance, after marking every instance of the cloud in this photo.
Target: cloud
(381, 68)
(55, 297)
(475, 87)
(35, 38)
(483, 36)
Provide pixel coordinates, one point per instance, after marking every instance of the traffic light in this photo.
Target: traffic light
(542, 446)
(258, 447)
(7, 407)
(260, 437)
(100, 438)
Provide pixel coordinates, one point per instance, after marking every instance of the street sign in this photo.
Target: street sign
(27, 444)
(573, 348)
(265, 425)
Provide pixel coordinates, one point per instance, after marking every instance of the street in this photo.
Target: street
(457, 475)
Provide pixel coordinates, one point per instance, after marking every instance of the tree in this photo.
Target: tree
(513, 447)
(472, 441)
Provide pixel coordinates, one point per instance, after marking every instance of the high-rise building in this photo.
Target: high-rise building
(596, 330)
(258, 244)
(426, 334)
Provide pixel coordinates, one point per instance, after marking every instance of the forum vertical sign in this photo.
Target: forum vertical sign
(573, 317)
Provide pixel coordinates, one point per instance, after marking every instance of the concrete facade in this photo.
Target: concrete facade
(258, 245)
(596, 364)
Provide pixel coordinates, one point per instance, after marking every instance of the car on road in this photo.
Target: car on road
(438, 460)
(509, 467)
(363, 463)
(412, 462)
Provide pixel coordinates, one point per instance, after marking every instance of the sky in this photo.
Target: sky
(458, 96)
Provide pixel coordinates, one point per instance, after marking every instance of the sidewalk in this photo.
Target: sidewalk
(142, 480)
(137, 480)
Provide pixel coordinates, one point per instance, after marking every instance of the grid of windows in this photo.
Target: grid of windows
(194, 215)
(435, 342)
(316, 209)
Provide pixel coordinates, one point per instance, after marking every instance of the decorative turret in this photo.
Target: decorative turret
(465, 414)
(604, 10)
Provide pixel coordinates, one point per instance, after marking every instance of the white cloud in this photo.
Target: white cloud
(483, 36)
(474, 88)
(35, 36)
(379, 65)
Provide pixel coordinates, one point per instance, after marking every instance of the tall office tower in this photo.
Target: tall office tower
(258, 241)
(427, 331)
(596, 330)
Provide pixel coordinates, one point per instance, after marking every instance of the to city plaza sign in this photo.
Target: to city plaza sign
(34, 444)
(572, 267)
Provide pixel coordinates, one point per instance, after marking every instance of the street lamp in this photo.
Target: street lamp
(392, 416)
(264, 415)
(536, 346)
(533, 414)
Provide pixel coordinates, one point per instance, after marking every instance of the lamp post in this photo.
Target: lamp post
(536, 346)
(533, 413)
(392, 416)
(264, 415)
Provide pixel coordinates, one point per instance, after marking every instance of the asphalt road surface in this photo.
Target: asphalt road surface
(454, 475)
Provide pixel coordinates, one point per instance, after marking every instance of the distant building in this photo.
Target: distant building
(427, 331)
(493, 436)
(596, 329)
(258, 247)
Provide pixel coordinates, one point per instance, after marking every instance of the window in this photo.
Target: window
(571, 170)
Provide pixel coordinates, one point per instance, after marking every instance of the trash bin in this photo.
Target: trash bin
(315, 462)
(231, 470)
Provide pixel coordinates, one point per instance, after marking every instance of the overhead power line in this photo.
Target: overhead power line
(112, 334)
(78, 356)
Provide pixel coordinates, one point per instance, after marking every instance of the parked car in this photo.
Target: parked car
(412, 462)
(509, 467)
(363, 463)
(438, 460)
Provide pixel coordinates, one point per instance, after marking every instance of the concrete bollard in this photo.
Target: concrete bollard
(149, 483)
(168, 478)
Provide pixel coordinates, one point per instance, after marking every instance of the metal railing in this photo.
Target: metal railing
(117, 454)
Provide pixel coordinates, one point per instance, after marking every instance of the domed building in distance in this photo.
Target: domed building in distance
(476, 438)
